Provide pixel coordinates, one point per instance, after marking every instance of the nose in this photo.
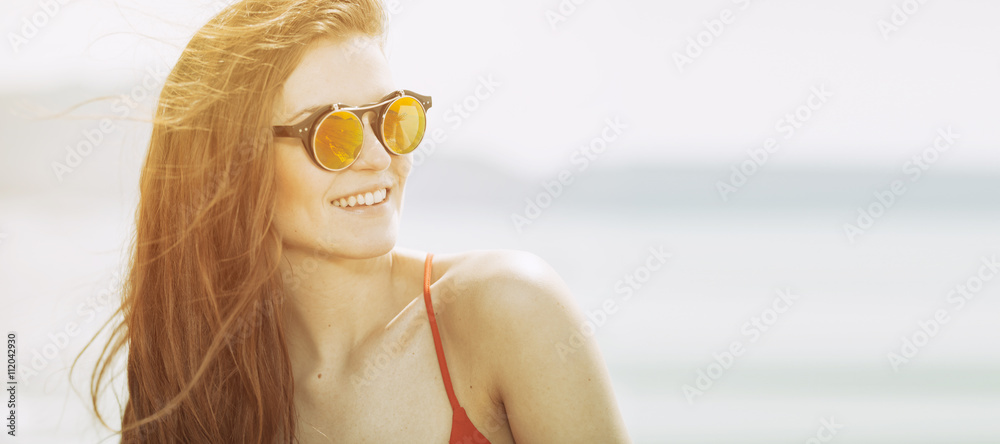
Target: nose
(373, 155)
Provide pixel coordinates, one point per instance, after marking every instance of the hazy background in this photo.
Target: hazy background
(656, 185)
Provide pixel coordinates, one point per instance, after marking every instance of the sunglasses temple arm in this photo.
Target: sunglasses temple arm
(424, 100)
(290, 131)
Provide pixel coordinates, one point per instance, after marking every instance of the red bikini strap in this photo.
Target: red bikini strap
(437, 336)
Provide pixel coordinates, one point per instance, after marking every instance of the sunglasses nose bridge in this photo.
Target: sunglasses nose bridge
(367, 113)
(370, 116)
(375, 157)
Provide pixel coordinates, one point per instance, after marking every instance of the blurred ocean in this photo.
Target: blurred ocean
(825, 357)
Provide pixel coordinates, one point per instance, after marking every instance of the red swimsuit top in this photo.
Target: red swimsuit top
(462, 429)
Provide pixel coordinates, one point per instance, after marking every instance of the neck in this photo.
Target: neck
(333, 304)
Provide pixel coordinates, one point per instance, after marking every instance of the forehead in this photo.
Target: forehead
(350, 70)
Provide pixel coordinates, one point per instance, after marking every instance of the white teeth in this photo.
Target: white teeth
(369, 198)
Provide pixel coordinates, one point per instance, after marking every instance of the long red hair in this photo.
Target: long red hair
(200, 315)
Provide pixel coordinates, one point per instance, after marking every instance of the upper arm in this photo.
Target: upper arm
(550, 375)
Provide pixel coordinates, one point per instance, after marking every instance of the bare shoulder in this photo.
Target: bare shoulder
(497, 265)
(496, 284)
(519, 322)
(493, 297)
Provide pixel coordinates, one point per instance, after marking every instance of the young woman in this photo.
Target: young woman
(267, 300)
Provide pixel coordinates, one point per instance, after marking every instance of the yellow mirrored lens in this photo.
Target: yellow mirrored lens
(403, 125)
(338, 140)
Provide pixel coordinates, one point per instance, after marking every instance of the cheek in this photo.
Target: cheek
(284, 169)
(401, 167)
(299, 184)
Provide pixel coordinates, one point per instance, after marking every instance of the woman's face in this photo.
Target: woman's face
(354, 72)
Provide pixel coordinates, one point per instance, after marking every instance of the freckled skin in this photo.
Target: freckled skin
(352, 274)
(334, 73)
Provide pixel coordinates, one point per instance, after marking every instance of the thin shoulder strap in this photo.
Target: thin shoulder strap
(437, 336)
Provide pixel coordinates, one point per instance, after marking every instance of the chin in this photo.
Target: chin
(351, 239)
(368, 244)
(366, 250)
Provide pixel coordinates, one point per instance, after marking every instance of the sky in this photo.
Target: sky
(684, 89)
(561, 70)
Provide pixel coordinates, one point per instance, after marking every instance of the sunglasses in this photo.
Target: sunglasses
(333, 135)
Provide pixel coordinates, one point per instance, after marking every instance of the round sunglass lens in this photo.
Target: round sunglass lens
(403, 125)
(338, 140)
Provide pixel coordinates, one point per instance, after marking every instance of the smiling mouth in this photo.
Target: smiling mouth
(368, 199)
